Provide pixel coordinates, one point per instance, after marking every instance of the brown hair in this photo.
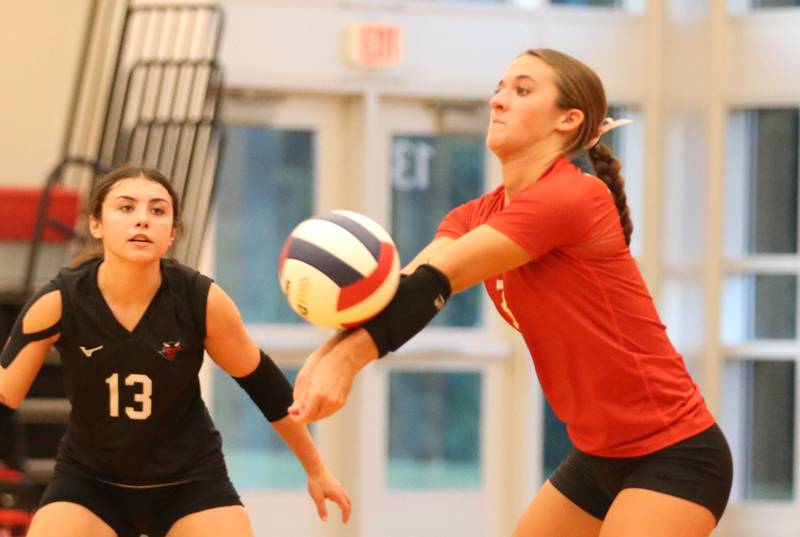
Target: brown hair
(580, 87)
(93, 248)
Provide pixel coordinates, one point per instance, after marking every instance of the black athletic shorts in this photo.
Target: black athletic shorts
(132, 512)
(698, 469)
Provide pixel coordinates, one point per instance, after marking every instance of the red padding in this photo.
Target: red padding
(18, 206)
(14, 517)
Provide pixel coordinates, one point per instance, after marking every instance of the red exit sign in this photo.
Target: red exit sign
(373, 45)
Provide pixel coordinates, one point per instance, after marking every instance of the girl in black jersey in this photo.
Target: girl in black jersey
(141, 455)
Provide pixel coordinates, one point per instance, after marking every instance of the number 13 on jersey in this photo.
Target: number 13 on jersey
(142, 395)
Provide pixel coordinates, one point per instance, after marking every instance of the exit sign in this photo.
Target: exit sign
(373, 45)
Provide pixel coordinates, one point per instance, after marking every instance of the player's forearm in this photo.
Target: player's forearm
(14, 386)
(359, 351)
(297, 437)
(424, 255)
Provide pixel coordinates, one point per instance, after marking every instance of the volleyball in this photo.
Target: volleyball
(339, 269)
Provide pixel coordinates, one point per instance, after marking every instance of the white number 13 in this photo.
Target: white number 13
(142, 396)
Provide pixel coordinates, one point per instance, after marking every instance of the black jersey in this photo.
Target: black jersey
(137, 415)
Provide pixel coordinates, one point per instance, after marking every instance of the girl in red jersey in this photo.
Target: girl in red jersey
(551, 246)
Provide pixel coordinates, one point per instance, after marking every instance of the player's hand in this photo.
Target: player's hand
(323, 486)
(303, 379)
(328, 387)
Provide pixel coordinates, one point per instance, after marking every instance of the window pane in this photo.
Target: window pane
(761, 182)
(256, 456)
(760, 423)
(431, 175)
(464, 1)
(557, 444)
(758, 307)
(602, 3)
(266, 188)
(434, 430)
(775, 3)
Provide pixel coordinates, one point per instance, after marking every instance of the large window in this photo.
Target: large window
(434, 415)
(266, 187)
(759, 299)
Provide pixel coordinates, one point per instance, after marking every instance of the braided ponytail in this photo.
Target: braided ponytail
(607, 167)
(580, 87)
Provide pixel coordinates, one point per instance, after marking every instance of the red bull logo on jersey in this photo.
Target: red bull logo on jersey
(169, 349)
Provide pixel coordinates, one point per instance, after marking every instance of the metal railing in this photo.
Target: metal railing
(161, 108)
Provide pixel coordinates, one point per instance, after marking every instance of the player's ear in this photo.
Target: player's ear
(95, 228)
(570, 120)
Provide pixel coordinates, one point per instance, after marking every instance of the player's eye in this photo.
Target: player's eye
(521, 91)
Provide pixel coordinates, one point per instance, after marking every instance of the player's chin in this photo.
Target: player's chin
(494, 142)
(145, 253)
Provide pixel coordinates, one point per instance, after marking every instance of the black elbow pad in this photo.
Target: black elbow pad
(269, 389)
(420, 296)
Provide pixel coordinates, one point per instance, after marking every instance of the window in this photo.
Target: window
(761, 393)
(434, 430)
(256, 456)
(265, 189)
(759, 306)
(761, 194)
(435, 164)
(759, 299)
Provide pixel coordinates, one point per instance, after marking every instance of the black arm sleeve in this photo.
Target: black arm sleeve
(420, 296)
(268, 388)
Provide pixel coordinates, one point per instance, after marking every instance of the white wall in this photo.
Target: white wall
(461, 55)
(40, 43)
(446, 56)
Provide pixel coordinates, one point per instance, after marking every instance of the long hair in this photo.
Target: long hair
(93, 248)
(580, 87)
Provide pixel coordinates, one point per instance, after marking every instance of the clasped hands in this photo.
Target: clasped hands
(326, 378)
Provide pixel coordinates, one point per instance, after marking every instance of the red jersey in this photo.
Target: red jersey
(600, 350)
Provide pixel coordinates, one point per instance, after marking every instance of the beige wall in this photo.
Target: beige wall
(40, 43)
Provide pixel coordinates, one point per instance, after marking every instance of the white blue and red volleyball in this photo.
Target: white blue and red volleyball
(339, 269)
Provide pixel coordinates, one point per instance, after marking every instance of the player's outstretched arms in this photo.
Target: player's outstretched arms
(443, 267)
(35, 331)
